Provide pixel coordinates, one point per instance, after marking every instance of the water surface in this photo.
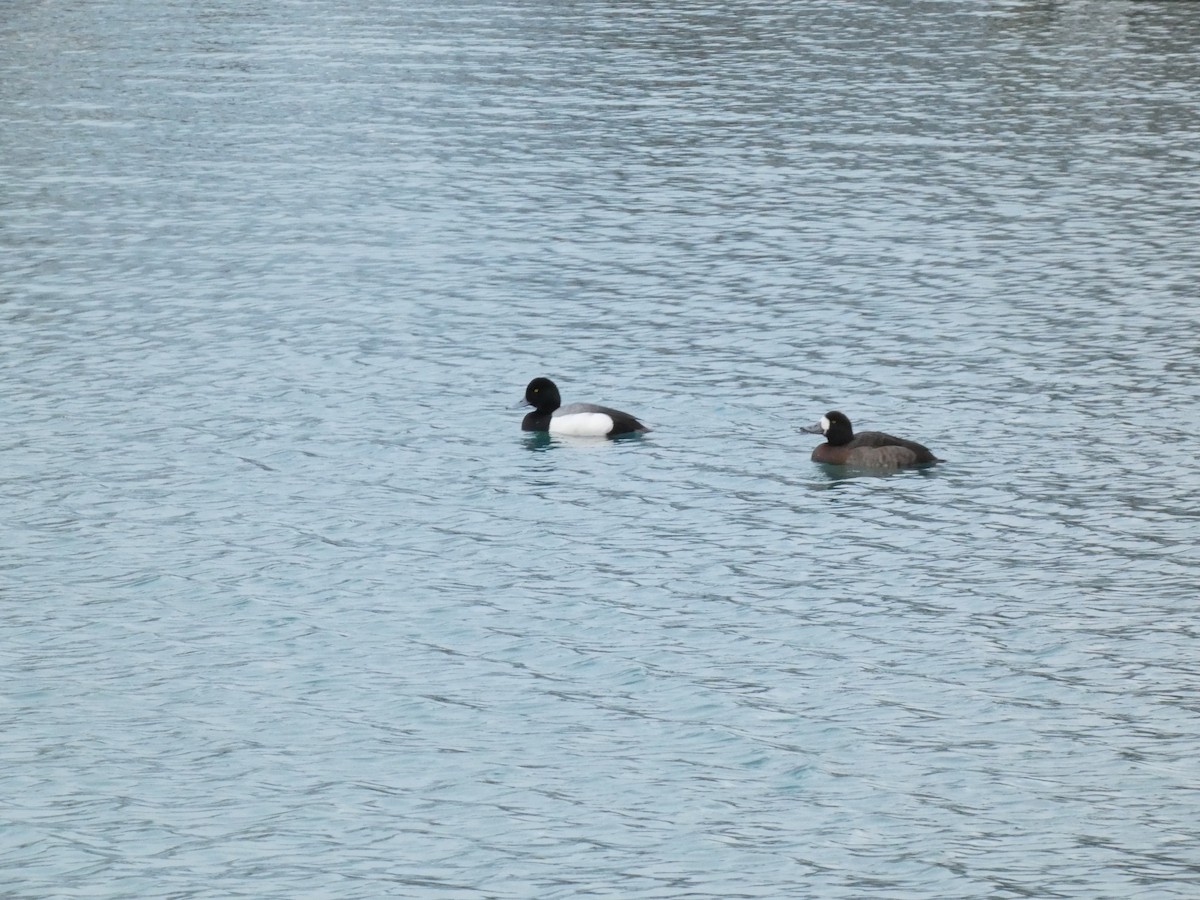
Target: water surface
(290, 605)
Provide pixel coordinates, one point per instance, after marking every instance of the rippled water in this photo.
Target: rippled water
(290, 605)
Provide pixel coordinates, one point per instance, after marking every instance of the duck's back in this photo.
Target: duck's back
(592, 419)
(875, 448)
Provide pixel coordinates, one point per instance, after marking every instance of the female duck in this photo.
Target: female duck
(581, 419)
(869, 449)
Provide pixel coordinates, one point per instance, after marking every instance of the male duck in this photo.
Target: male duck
(580, 419)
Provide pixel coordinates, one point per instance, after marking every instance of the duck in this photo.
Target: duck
(578, 419)
(868, 449)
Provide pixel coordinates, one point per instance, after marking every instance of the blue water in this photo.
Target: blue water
(291, 607)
